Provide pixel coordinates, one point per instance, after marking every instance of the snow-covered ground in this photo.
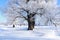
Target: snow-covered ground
(21, 33)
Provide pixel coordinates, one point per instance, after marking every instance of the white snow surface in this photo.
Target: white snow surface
(21, 33)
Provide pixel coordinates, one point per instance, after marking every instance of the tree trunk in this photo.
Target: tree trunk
(31, 25)
(31, 21)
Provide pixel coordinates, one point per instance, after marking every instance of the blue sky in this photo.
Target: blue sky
(58, 2)
(3, 4)
(2, 18)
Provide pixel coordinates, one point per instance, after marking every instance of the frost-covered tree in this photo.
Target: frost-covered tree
(56, 19)
(27, 9)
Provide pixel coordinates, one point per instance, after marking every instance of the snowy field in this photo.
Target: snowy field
(20, 33)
